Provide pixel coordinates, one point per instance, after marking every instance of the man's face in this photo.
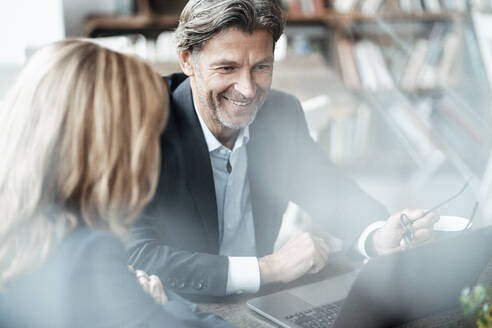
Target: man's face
(231, 77)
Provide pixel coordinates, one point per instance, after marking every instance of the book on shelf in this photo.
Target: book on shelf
(347, 66)
(417, 7)
(362, 65)
(427, 78)
(380, 68)
(480, 5)
(482, 24)
(304, 7)
(473, 52)
(450, 50)
(293, 6)
(432, 6)
(345, 6)
(370, 7)
(415, 62)
(406, 6)
(396, 59)
(430, 64)
(307, 7)
(319, 6)
(461, 5)
(367, 72)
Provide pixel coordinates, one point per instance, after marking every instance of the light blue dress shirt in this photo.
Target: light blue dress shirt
(236, 226)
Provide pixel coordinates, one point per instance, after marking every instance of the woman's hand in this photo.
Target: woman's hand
(152, 285)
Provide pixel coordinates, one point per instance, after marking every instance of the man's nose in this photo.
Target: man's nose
(245, 85)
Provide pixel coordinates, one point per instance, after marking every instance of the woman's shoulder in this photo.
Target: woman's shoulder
(86, 249)
(84, 235)
(84, 238)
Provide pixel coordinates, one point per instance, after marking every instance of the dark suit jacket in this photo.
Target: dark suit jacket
(85, 282)
(178, 238)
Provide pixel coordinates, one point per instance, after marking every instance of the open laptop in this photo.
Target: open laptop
(388, 290)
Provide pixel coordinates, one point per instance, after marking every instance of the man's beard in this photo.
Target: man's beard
(221, 116)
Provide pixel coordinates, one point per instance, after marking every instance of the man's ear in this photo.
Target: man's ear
(186, 62)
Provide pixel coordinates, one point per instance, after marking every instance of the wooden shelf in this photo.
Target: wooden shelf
(115, 25)
(303, 18)
(153, 24)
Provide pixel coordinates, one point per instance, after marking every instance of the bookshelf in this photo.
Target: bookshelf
(418, 66)
(427, 77)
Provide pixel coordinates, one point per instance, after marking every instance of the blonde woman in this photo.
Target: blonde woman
(79, 138)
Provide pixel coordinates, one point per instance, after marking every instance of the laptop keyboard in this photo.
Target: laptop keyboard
(319, 317)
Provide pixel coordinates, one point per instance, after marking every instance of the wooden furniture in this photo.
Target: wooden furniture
(149, 26)
(152, 17)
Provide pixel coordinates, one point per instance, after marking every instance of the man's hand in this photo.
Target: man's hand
(390, 239)
(303, 253)
(151, 285)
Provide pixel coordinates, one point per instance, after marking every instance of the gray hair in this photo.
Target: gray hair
(201, 20)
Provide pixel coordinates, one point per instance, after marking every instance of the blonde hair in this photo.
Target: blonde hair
(79, 137)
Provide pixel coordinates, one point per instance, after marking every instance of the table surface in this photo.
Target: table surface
(235, 310)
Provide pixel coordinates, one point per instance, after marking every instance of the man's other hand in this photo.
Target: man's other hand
(303, 253)
(390, 238)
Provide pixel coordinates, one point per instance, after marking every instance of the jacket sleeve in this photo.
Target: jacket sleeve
(114, 294)
(195, 275)
(334, 200)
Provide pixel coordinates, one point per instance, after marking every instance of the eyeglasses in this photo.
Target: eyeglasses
(407, 224)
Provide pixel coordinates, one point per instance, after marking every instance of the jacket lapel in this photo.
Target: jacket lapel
(197, 162)
(260, 173)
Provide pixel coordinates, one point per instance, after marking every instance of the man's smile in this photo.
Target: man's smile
(241, 103)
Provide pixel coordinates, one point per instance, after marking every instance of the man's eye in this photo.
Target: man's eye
(226, 68)
(263, 67)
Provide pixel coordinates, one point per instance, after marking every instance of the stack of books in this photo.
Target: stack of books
(428, 66)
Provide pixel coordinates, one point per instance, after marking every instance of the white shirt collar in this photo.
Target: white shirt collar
(213, 143)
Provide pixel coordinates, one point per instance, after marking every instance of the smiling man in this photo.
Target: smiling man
(234, 154)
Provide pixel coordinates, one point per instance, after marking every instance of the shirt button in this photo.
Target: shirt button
(229, 227)
(223, 151)
(229, 183)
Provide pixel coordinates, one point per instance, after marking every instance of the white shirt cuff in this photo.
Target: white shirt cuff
(361, 245)
(243, 276)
